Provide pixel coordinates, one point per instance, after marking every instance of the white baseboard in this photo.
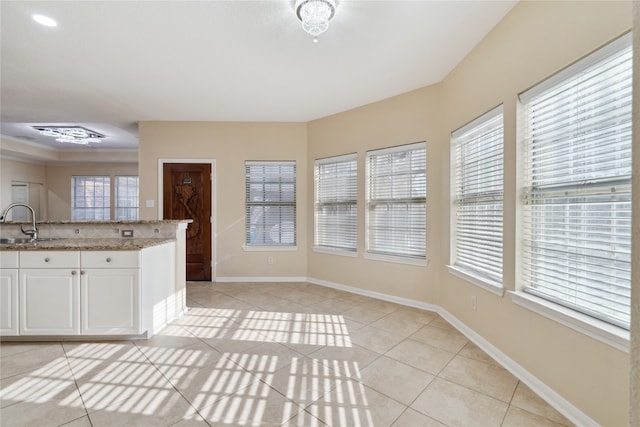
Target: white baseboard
(377, 295)
(260, 279)
(562, 405)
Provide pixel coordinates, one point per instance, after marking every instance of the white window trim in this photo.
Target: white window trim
(600, 330)
(284, 247)
(397, 259)
(468, 275)
(116, 197)
(335, 251)
(73, 202)
(331, 160)
(594, 57)
(258, 248)
(400, 259)
(484, 283)
(597, 329)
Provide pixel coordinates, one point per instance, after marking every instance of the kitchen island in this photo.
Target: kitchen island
(79, 281)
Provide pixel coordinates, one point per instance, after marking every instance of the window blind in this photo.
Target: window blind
(270, 203)
(477, 154)
(336, 207)
(396, 201)
(127, 198)
(577, 216)
(91, 198)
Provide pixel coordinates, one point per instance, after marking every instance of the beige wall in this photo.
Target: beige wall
(230, 145)
(59, 183)
(535, 40)
(532, 42)
(408, 118)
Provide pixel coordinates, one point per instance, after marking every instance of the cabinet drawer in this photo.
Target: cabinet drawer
(9, 259)
(49, 259)
(110, 259)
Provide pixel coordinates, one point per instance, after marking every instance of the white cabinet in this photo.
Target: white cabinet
(49, 301)
(9, 293)
(91, 293)
(110, 290)
(49, 283)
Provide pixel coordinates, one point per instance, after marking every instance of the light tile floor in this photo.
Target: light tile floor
(271, 354)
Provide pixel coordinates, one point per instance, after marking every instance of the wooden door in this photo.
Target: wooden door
(187, 195)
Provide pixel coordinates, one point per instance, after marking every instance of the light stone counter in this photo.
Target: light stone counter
(98, 244)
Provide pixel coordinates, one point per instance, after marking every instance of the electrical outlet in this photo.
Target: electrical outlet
(270, 260)
(127, 233)
(474, 302)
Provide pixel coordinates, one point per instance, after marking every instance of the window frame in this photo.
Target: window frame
(106, 179)
(265, 204)
(372, 185)
(485, 132)
(580, 319)
(117, 190)
(344, 237)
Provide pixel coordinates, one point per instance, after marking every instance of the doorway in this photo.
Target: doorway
(30, 193)
(187, 194)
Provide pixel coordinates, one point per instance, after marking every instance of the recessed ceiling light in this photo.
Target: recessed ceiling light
(44, 20)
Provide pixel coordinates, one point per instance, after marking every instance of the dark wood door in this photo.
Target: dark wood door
(187, 195)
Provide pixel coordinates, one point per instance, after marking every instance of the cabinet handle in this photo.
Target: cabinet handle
(47, 259)
(82, 272)
(73, 272)
(108, 259)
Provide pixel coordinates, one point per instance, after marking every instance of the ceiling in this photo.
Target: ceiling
(110, 64)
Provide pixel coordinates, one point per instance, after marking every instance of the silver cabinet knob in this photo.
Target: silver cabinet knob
(73, 272)
(108, 259)
(47, 259)
(82, 272)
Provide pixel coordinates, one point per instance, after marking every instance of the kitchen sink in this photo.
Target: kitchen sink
(22, 240)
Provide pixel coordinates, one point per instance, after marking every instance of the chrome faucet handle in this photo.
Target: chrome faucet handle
(33, 232)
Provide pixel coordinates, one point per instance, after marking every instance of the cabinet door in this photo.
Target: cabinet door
(110, 301)
(9, 301)
(49, 301)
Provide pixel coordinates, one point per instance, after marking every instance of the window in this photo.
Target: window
(477, 157)
(270, 203)
(396, 201)
(336, 207)
(90, 198)
(127, 198)
(577, 203)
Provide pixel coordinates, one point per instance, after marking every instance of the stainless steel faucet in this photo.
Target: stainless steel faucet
(33, 231)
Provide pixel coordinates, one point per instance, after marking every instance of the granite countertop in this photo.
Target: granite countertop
(99, 244)
(139, 222)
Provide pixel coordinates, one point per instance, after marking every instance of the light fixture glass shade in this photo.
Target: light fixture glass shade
(71, 134)
(315, 15)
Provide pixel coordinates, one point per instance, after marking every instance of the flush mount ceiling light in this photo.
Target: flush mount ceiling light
(44, 20)
(71, 134)
(315, 15)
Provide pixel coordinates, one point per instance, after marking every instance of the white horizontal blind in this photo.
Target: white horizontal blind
(90, 198)
(336, 207)
(577, 222)
(127, 204)
(478, 196)
(396, 201)
(270, 203)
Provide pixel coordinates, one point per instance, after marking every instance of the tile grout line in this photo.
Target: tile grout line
(75, 382)
(172, 385)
